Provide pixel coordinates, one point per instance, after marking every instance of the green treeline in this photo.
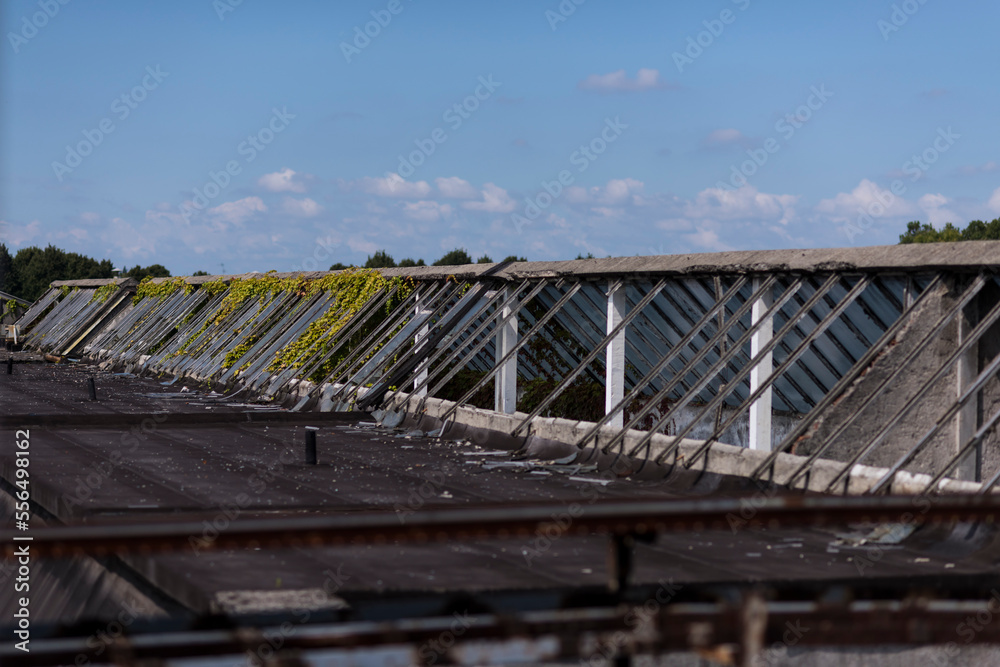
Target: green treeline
(977, 230)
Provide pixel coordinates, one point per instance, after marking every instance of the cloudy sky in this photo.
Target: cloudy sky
(261, 135)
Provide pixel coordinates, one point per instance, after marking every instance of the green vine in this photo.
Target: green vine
(353, 289)
(102, 294)
(234, 355)
(161, 290)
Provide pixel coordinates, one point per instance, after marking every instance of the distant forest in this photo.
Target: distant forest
(977, 230)
(28, 273)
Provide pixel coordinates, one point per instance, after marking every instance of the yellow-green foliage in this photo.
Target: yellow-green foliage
(147, 288)
(102, 294)
(234, 355)
(214, 287)
(353, 289)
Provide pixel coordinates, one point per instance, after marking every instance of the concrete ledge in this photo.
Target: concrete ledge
(721, 459)
(94, 282)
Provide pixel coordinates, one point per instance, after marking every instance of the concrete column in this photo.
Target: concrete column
(505, 396)
(967, 419)
(614, 371)
(418, 310)
(760, 410)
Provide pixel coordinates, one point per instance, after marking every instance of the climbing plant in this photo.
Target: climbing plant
(353, 288)
(161, 290)
(103, 293)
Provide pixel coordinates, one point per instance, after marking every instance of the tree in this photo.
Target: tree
(201, 273)
(485, 259)
(456, 257)
(34, 268)
(380, 260)
(142, 272)
(7, 283)
(404, 263)
(977, 230)
(514, 258)
(339, 267)
(590, 255)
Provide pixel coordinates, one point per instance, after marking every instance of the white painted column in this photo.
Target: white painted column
(505, 395)
(966, 423)
(614, 371)
(419, 309)
(760, 410)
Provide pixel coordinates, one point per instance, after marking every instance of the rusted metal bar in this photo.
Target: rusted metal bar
(476, 347)
(856, 370)
(768, 347)
(586, 361)
(172, 419)
(672, 354)
(714, 369)
(930, 383)
(505, 521)
(445, 346)
(807, 340)
(962, 400)
(574, 288)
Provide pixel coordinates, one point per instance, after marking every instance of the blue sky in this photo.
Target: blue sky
(674, 127)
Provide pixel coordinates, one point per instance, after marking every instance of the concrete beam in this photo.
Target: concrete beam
(505, 393)
(614, 371)
(969, 256)
(418, 310)
(760, 410)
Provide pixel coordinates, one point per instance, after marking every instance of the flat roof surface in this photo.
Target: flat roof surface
(162, 471)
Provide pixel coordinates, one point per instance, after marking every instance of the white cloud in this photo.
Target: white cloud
(934, 206)
(673, 225)
(360, 244)
(78, 234)
(707, 239)
(17, 235)
(239, 211)
(725, 137)
(394, 185)
(128, 240)
(608, 212)
(867, 198)
(426, 211)
(994, 202)
(615, 191)
(618, 82)
(985, 168)
(303, 208)
(745, 203)
(622, 189)
(166, 217)
(495, 200)
(456, 188)
(89, 216)
(281, 181)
